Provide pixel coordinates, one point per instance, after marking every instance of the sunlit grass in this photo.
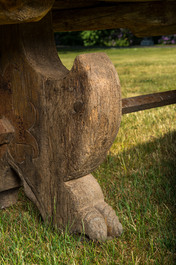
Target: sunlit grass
(141, 70)
(138, 179)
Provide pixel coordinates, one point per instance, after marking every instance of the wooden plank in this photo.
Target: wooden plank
(143, 19)
(149, 101)
(70, 4)
(123, 1)
(23, 10)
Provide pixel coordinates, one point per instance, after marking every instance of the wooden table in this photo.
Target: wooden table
(56, 126)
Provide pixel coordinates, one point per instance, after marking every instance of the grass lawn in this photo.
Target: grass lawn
(138, 179)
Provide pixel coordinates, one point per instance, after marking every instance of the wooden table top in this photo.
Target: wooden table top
(142, 17)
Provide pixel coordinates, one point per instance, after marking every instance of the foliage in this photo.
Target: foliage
(120, 37)
(109, 38)
(170, 39)
(137, 178)
(115, 37)
(94, 37)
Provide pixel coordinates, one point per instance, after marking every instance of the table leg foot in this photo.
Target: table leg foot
(86, 211)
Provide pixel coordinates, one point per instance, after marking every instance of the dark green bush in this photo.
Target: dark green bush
(110, 38)
(73, 38)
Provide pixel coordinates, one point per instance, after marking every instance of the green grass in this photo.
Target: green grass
(138, 179)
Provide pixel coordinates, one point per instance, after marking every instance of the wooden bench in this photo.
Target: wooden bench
(56, 126)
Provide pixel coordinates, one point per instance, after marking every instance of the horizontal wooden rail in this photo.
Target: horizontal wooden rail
(148, 101)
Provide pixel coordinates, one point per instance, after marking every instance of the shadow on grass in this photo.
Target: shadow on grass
(140, 184)
(157, 155)
(139, 181)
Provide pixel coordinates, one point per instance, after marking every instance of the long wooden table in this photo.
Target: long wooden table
(56, 126)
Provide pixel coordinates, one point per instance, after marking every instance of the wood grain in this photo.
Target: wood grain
(64, 122)
(21, 11)
(123, 1)
(149, 101)
(143, 19)
(70, 4)
(8, 179)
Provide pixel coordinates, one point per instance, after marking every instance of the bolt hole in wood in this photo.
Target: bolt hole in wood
(78, 107)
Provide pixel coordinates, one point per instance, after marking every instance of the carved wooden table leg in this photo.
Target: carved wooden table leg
(64, 122)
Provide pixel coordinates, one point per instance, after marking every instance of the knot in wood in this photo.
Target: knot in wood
(78, 106)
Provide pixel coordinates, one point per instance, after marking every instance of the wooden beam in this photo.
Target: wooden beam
(134, 1)
(13, 11)
(148, 101)
(70, 4)
(143, 19)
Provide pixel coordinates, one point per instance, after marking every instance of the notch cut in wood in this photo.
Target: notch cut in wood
(6, 131)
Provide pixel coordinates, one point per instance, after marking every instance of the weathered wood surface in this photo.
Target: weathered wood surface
(21, 11)
(132, 1)
(8, 198)
(8, 178)
(57, 125)
(9, 184)
(6, 130)
(9, 181)
(149, 101)
(149, 18)
(64, 122)
(71, 4)
(142, 17)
